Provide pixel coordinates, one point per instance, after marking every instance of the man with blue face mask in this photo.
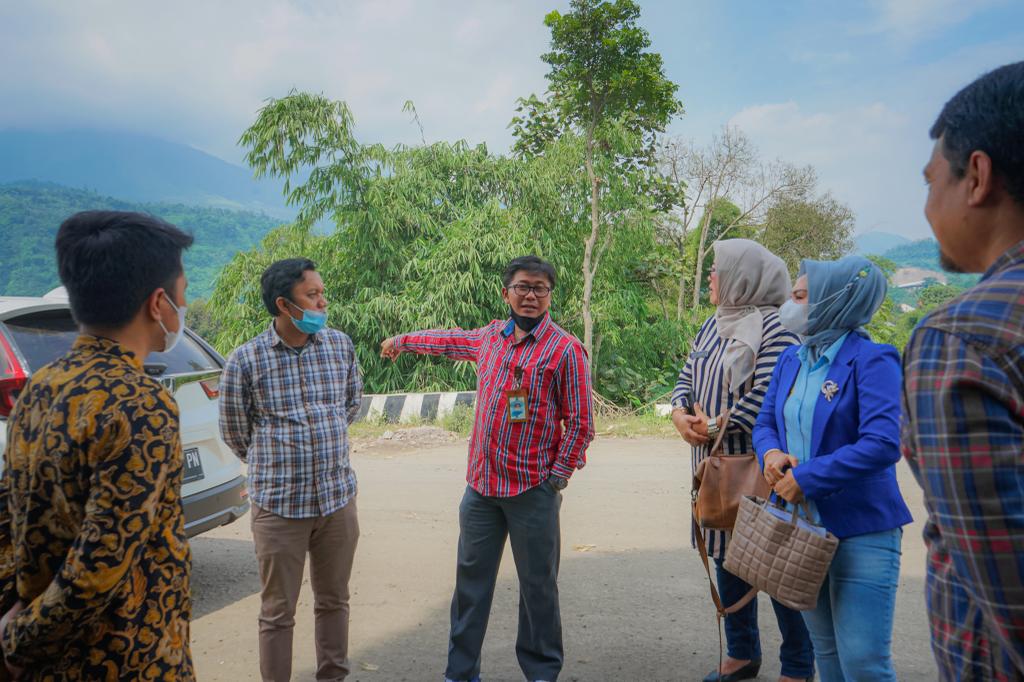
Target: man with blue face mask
(286, 400)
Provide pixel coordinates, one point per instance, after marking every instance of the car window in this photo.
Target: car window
(44, 336)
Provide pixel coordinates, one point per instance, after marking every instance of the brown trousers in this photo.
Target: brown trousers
(281, 547)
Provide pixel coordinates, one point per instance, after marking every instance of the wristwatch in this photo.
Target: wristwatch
(557, 482)
(713, 428)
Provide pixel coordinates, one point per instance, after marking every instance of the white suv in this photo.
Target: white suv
(37, 331)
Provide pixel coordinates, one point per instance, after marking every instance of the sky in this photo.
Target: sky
(848, 87)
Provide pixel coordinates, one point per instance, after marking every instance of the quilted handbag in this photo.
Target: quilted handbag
(777, 552)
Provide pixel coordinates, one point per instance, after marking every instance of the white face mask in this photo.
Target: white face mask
(795, 317)
(171, 339)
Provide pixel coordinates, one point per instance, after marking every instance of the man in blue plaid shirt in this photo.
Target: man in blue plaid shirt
(286, 400)
(963, 431)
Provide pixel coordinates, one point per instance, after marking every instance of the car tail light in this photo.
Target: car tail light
(211, 387)
(12, 378)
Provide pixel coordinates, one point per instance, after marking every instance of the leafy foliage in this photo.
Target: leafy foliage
(422, 235)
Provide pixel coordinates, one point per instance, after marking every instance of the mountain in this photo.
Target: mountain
(31, 212)
(136, 168)
(923, 255)
(877, 243)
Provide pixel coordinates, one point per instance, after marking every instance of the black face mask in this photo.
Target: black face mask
(525, 323)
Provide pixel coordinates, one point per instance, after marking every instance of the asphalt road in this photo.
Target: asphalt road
(635, 604)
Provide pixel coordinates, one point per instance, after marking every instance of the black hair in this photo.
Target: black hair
(280, 278)
(529, 264)
(987, 116)
(111, 261)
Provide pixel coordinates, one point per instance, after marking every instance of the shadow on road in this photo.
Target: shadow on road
(626, 616)
(214, 558)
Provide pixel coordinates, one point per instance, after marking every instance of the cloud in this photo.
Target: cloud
(198, 71)
(869, 156)
(909, 21)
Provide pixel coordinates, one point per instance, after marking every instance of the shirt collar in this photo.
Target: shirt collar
(828, 357)
(98, 345)
(1014, 256)
(538, 333)
(274, 339)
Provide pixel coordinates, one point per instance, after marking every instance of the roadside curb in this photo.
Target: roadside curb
(407, 407)
(400, 408)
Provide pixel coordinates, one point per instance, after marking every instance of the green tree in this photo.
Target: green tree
(724, 221)
(819, 228)
(422, 234)
(610, 91)
(935, 295)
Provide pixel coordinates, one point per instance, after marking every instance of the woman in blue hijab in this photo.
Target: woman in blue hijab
(828, 434)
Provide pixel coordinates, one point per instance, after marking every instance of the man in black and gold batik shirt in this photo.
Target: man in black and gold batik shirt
(94, 561)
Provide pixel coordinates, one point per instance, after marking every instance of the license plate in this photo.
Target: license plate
(193, 466)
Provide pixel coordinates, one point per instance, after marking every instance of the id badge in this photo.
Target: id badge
(516, 398)
(517, 411)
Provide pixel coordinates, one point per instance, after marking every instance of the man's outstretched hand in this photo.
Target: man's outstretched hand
(389, 350)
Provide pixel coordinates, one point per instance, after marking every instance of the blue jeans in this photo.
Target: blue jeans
(851, 627)
(744, 639)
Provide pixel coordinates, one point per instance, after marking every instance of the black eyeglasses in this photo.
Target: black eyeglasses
(539, 290)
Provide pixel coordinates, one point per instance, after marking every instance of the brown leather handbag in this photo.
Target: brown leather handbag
(721, 481)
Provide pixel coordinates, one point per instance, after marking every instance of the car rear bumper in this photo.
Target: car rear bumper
(215, 507)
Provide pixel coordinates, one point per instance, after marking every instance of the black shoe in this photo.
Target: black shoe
(747, 672)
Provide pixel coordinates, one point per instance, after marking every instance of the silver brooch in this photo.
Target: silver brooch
(829, 390)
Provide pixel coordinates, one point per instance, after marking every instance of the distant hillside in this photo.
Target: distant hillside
(924, 255)
(136, 168)
(920, 254)
(877, 243)
(31, 212)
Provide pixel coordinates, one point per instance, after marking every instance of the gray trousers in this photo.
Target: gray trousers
(530, 522)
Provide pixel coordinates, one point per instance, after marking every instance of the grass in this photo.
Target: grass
(644, 425)
(460, 421)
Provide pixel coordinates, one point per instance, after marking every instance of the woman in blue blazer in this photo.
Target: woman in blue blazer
(828, 434)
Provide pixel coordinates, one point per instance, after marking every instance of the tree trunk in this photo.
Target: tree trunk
(588, 255)
(698, 270)
(705, 227)
(681, 299)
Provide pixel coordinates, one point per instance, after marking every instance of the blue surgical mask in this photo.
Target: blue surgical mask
(311, 322)
(795, 317)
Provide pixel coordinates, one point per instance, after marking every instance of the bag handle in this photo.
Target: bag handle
(721, 432)
(781, 504)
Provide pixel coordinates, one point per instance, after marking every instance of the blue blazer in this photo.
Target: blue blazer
(855, 440)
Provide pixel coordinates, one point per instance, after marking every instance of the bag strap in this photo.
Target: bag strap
(721, 432)
(719, 607)
(720, 610)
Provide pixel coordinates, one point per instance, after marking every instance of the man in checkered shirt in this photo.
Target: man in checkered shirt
(963, 431)
(286, 399)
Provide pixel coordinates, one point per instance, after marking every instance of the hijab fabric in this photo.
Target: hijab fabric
(844, 295)
(752, 281)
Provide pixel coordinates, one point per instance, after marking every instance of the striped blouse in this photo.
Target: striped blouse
(704, 375)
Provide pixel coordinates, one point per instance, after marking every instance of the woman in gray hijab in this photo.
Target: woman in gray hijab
(730, 363)
(828, 435)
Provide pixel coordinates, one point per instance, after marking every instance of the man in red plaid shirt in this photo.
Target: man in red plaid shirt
(532, 427)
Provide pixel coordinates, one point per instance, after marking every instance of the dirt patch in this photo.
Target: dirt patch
(404, 439)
